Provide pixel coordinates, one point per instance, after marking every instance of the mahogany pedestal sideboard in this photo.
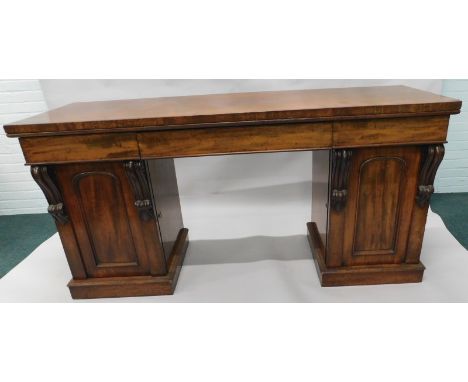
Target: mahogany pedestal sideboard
(107, 171)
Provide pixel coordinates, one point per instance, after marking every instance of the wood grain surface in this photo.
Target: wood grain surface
(112, 239)
(390, 131)
(228, 140)
(170, 112)
(80, 148)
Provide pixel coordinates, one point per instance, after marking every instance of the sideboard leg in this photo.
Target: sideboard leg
(46, 179)
(163, 183)
(375, 216)
(107, 217)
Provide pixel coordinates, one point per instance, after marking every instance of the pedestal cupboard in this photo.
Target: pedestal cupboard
(107, 171)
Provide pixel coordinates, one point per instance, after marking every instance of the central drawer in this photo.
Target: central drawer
(234, 139)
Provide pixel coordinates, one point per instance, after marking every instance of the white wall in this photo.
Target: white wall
(453, 172)
(19, 194)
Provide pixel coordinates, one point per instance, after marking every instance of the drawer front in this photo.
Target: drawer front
(390, 131)
(79, 148)
(231, 140)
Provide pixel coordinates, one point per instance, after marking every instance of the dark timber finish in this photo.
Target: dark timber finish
(43, 178)
(163, 182)
(432, 158)
(136, 173)
(112, 238)
(107, 171)
(341, 160)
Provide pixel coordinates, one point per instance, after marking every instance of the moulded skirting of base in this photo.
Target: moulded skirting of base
(135, 285)
(362, 274)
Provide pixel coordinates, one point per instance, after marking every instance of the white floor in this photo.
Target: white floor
(255, 269)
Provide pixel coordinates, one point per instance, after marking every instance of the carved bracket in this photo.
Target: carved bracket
(136, 174)
(42, 176)
(432, 158)
(341, 161)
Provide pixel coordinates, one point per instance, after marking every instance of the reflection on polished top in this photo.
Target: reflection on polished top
(234, 109)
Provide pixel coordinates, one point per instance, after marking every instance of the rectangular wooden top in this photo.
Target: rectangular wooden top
(235, 109)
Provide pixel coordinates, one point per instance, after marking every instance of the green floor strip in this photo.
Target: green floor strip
(20, 235)
(453, 209)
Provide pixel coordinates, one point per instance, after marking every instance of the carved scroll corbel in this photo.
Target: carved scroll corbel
(136, 174)
(341, 161)
(43, 178)
(430, 163)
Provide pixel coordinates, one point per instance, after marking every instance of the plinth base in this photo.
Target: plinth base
(135, 285)
(362, 274)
